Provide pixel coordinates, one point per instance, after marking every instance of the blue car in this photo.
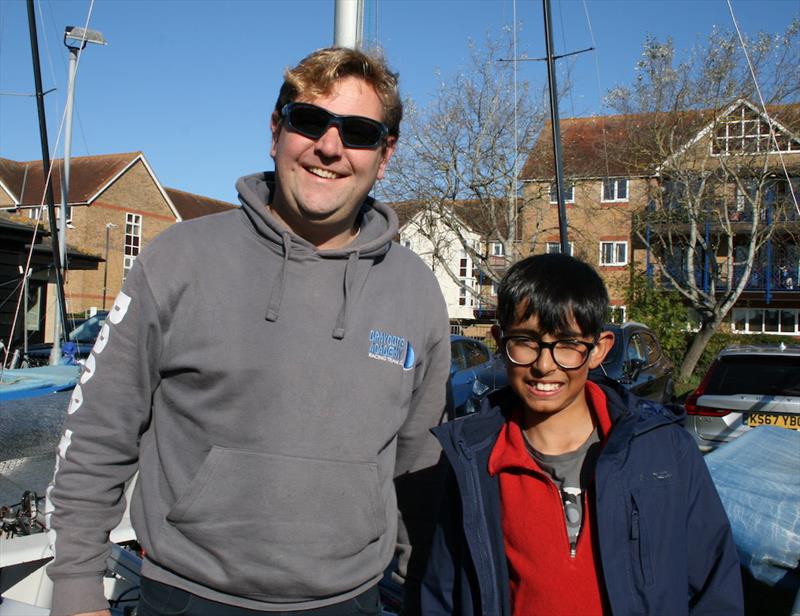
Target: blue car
(469, 360)
(83, 336)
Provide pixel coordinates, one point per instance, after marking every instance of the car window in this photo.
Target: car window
(763, 375)
(636, 348)
(88, 330)
(475, 354)
(457, 360)
(653, 351)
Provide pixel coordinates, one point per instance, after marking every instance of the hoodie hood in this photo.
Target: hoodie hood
(377, 224)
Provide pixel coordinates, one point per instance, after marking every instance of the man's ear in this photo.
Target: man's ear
(604, 344)
(386, 154)
(276, 124)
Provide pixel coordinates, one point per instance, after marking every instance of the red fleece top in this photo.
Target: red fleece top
(543, 577)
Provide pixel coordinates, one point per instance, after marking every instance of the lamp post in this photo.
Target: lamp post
(109, 226)
(75, 39)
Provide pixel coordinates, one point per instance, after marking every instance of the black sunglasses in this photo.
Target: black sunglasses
(355, 131)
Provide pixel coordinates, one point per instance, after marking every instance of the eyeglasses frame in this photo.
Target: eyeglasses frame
(590, 346)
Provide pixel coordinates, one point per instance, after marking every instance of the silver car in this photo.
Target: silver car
(745, 387)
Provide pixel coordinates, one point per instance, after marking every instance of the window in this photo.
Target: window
(496, 249)
(613, 253)
(766, 321)
(466, 275)
(406, 243)
(569, 193)
(616, 314)
(133, 241)
(746, 132)
(615, 189)
(555, 248)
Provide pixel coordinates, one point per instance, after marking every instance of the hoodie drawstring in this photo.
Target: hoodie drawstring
(349, 275)
(275, 298)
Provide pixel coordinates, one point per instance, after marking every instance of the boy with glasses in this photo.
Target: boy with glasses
(271, 372)
(567, 496)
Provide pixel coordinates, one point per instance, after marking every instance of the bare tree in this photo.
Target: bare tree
(724, 165)
(459, 157)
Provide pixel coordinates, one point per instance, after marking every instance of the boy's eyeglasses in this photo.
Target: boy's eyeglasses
(355, 131)
(568, 354)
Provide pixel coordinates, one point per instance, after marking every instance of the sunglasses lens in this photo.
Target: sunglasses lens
(310, 121)
(355, 131)
(358, 132)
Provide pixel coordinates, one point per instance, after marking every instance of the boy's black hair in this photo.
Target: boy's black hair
(554, 287)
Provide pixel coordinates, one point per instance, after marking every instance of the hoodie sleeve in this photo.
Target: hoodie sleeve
(98, 451)
(715, 581)
(418, 477)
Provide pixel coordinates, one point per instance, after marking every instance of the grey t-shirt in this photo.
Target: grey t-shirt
(572, 473)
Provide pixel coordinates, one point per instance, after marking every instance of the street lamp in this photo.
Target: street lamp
(109, 226)
(75, 40)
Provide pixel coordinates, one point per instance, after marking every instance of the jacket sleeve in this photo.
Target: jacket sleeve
(715, 581)
(98, 451)
(418, 479)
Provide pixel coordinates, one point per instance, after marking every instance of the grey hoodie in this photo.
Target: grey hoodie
(268, 393)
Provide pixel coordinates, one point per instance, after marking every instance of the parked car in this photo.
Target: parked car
(744, 387)
(468, 358)
(637, 362)
(83, 335)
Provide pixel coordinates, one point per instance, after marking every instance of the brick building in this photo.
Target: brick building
(649, 192)
(116, 205)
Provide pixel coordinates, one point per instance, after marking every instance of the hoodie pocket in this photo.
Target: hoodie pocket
(272, 527)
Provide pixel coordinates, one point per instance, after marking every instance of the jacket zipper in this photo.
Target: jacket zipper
(573, 545)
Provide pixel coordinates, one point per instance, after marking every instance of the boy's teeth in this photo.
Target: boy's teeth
(547, 386)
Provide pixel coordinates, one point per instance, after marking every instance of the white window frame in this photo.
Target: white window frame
(616, 246)
(496, 249)
(569, 193)
(744, 127)
(746, 315)
(555, 248)
(620, 310)
(131, 249)
(466, 279)
(615, 184)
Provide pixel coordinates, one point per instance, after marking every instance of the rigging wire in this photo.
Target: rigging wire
(763, 106)
(47, 181)
(599, 86)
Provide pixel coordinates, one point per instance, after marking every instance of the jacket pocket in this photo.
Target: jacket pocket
(640, 545)
(276, 527)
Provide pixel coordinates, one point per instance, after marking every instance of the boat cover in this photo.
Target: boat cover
(25, 382)
(758, 480)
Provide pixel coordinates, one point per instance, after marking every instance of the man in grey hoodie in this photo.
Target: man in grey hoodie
(271, 372)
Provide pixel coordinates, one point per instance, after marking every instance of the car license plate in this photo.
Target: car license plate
(792, 422)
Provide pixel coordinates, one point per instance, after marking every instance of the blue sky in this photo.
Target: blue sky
(191, 83)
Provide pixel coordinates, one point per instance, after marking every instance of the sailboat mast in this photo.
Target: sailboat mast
(51, 210)
(556, 126)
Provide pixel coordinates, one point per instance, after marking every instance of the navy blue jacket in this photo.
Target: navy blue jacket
(664, 541)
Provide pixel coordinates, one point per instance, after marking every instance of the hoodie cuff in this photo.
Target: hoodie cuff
(74, 595)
